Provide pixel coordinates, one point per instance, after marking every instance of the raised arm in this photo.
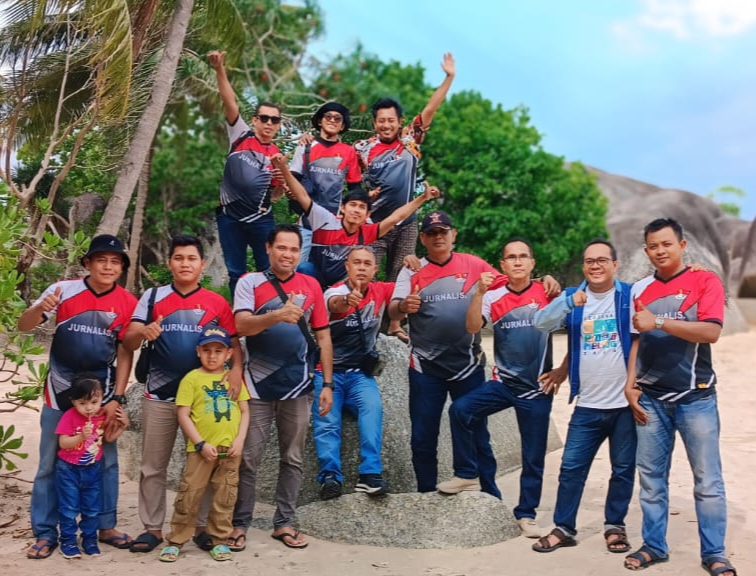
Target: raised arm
(474, 320)
(296, 190)
(217, 60)
(438, 97)
(407, 210)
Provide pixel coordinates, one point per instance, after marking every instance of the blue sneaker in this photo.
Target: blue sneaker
(70, 551)
(90, 547)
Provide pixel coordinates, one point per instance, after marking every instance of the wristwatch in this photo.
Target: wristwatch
(122, 400)
(328, 385)
(659, 322)
(199, 446)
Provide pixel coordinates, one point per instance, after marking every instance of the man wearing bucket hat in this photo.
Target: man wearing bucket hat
(325, 165)
(91, 315)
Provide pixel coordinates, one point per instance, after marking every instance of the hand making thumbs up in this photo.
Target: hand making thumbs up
(290, 312)
(153, 330)
(643, 320)
(355, 296)
(411, 303)
(50, 301)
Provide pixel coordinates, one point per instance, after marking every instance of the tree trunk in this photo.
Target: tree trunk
(137, 224)
(149, 122)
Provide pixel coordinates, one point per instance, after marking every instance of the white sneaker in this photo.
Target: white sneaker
(457, 485)
(529, 528)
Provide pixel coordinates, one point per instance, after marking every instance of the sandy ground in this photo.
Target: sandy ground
(265, 556)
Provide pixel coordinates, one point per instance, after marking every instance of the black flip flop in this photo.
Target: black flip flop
(235, 547)
(203, 541)
(563, 541)
(113, 541)
(145, 542)
(284, 535)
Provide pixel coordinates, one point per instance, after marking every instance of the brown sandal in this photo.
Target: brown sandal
(618, 545)
(563, 541)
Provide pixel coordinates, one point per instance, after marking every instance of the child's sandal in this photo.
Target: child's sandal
(169, 554)
(221, 552)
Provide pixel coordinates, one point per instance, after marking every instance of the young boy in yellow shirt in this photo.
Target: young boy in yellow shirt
(215, 428)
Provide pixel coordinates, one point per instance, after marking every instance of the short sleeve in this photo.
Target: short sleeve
(336, 290)
(140, 312)
(319, 216)
(236, 130)
(67, 424)
(226, 318)
(244, 296)
(485, 310)
(370, 233)
(185, 394)
(403, 286)
(712, 299)
(297, 162)
(353, 175)
(319, 316)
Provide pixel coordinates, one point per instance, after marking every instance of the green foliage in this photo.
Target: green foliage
(9, 447)
(499, 183)
(735, 196)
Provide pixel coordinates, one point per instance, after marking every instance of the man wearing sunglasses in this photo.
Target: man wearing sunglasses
(249, 183)
(597, 316)
(324, 165)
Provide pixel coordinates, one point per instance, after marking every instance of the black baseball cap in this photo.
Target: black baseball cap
(106, 243)
(331, 107)
(436, 219)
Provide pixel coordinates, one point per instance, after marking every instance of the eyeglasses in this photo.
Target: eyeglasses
(265, 119)
(512, 258)
(600, 261)
(335, 118)
(437, 232)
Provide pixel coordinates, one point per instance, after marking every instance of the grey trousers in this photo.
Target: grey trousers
(292, 419)
(398, 243)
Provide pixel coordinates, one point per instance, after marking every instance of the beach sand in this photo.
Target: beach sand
(265, 556)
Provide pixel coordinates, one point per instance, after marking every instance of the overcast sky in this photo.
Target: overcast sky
(658, 90)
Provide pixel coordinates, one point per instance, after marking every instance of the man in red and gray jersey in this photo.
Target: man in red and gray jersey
(671, 388)
(445, 360)
(389, 162)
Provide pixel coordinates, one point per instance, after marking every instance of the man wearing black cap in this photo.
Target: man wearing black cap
(445, 359)
(91, 315)
(325, 165)
(332, 237)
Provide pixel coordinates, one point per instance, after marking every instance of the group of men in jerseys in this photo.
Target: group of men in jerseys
(639, 358)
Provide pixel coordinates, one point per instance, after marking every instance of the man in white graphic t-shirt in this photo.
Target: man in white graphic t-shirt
(597, 318)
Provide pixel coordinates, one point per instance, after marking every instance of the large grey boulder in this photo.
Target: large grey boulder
(397, 456)
(415, 520)
(633, 204)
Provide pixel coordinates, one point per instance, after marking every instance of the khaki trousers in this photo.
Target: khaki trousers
(222, 475)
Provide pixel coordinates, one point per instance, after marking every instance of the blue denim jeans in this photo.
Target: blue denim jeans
(311, 270)
(358, 394)
(533, 422)
(698, 425)
(44, 498)
(427, 397)
(78, 494)
(234, 238)
(588, 429)
(304, 253)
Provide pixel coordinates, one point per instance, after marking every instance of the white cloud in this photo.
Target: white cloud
(686, 19)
